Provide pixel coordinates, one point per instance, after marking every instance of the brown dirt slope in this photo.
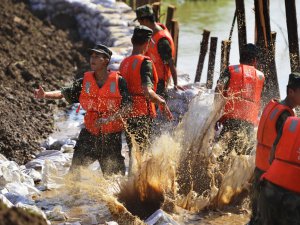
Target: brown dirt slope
(32, 52)
(18, 216)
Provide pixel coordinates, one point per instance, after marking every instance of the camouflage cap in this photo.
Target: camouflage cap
(99, 48)
(142, 33)
(294, 79)
(143, 11)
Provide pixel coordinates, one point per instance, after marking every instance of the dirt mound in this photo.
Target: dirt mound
(32, 52)
(17, 216)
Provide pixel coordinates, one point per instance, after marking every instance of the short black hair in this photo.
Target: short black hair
(248, 54)
(138, 41)
(150, 18)
(293, 87)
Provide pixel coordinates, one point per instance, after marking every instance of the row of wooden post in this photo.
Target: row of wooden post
(264, 39)
(171, 23)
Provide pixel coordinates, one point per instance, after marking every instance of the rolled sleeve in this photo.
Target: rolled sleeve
(126, 97)
(147, 73)
(164, 50)
(72, 93)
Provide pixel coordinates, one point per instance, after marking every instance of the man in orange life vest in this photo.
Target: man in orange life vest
(139, 72)
(161, 49)
(271, 122)
(241, 85)
(279, 198)
(105, 97)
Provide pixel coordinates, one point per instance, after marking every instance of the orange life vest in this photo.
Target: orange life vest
(101, 103)
(285, 169)
(243, 93)
(266, 133)
(162, 69)
(130, 70)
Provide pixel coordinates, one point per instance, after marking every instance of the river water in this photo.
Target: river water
(216, 16)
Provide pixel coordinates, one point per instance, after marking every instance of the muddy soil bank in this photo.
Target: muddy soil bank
(32, 52)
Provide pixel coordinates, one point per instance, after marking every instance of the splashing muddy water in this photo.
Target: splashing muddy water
(180, 175)
(182, 170)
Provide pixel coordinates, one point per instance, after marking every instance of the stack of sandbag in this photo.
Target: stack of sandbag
(17, 187)
(105, 21)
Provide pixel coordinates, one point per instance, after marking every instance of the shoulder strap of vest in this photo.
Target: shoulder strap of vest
(234, 69)
(88, 73)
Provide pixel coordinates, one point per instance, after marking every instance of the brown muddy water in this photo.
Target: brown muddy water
(218, 196)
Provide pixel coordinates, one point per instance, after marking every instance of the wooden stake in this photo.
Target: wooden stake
(203, 50)
(225, 53)
(266, 59)
(132, 4)
(211, 62)
(175, 36)
(241, 21)
(292, 28)
(156, 10)
(170, 15)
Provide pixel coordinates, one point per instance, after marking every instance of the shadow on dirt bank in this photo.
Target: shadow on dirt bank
(32, 52)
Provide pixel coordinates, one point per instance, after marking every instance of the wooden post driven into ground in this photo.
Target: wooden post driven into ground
(132, 4)
(211, 62)
(203, 50)
(292, 28)
(266, 59)
(175, 36)
(170, 16)
(225, 53)
(156, 10)
(241, 21)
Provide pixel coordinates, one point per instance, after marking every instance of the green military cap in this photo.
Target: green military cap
(142, 33)
(294, 79)
(143, 11)
(102, 49)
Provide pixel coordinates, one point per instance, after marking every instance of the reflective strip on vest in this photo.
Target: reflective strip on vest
(130, 70)
(243, 94)
(101, 103)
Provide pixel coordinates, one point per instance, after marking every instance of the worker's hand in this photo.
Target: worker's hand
(166, 111)
(39, 93)
(177, 87)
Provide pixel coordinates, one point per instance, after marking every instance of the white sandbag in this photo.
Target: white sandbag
(34, 174)
(190, 94)
(68, 223)
(32, 208)
(3, 191)
(9, 172)
(159, 217)
(50, 176)
(56, 214)
(3, 158)
(16, 198)
(17, 188)
(60, 159)
(5, 201)
(177, 105)
(111, 223)
(67, 148)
